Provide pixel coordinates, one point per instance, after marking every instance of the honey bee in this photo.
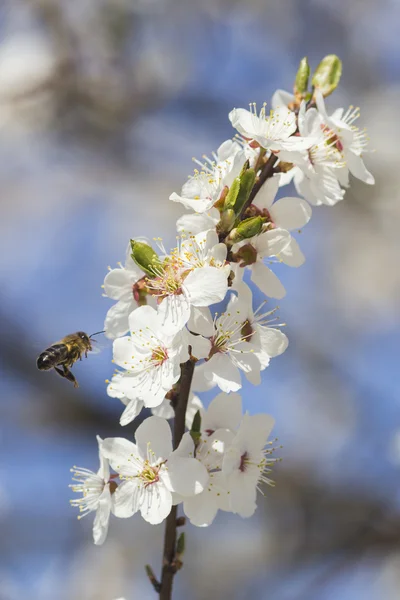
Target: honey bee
(65, 353)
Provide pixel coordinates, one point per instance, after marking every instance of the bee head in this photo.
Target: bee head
(85, 338)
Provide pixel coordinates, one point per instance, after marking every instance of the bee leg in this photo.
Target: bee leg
(68, 375)
(59, 372)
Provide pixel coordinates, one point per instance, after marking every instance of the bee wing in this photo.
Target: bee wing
(97, 348)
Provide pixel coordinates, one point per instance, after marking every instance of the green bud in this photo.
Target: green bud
(246, 229)
(180, 546)
(195, 431)
(232, 194)
(327, 75)
(145, 257)
(227, 221)
(303, 73)
(247, 180)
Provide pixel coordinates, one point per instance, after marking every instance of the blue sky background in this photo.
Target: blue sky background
(76, 188)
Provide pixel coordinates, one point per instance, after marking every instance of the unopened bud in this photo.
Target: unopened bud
(246, 229)
(231, 196)
(327, 75)
(195, 431)
(227, 221)
(145, 257)
(180, 546)
(302, 76)
(247, 180)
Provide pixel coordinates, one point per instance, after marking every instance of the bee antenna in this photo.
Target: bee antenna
(97, 333)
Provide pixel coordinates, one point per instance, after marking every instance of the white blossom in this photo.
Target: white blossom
(347, 139)
(204, 188)
(96, 495)
(120, 284)
(151, 472)
(273, 132)
(246, 463)
(252, 252)
(151, 355)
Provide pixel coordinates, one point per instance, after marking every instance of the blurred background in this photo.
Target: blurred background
(102, 105)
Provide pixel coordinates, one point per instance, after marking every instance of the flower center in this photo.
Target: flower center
(243, 461)
(246, 331)
(168, 281)
(149, 474)
(159, 355)
(332, 138)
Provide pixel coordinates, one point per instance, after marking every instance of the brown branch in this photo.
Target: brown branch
(169, 567)
(266, 173)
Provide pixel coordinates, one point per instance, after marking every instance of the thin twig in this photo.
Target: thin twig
(266, 173)
(169, 567)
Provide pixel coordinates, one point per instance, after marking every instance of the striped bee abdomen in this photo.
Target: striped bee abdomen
(52, 357)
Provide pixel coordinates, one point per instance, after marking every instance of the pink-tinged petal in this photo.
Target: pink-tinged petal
(201, 321)
(154, 438)
(224, 412)
(291, 213)
(126, 499)
(120, 453)
(100, 524)
(267, 281)
(281, 98)
(205, 286)
(267, 193)
(156, 504)
(187, 476)
(292, 255)
(201, 510)
(118, 284)
(358, 169)
(116, 323)
(132, 410)
(222, 372)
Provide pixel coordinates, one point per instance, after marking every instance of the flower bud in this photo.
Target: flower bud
(227, 221)
(231, 196)
(327, 75)
(302, 76)
(247, 180)
(145, 257)
(180, 545)
(195, 432)
(246, 229)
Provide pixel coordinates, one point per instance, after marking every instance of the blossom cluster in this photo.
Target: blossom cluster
(166, 311)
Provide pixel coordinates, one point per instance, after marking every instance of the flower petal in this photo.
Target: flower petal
(132, 410)
(187, 476)
(207, 285)
(100, 524)
(118, 284)
(156, 503)
(292, 255)
(154, 436)
(358, 169)
(119, 452)
(126, 499)
(116, 323)
(267, 193)
(224, 412)
(267, 281)
(222, 372)
(291, 213)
